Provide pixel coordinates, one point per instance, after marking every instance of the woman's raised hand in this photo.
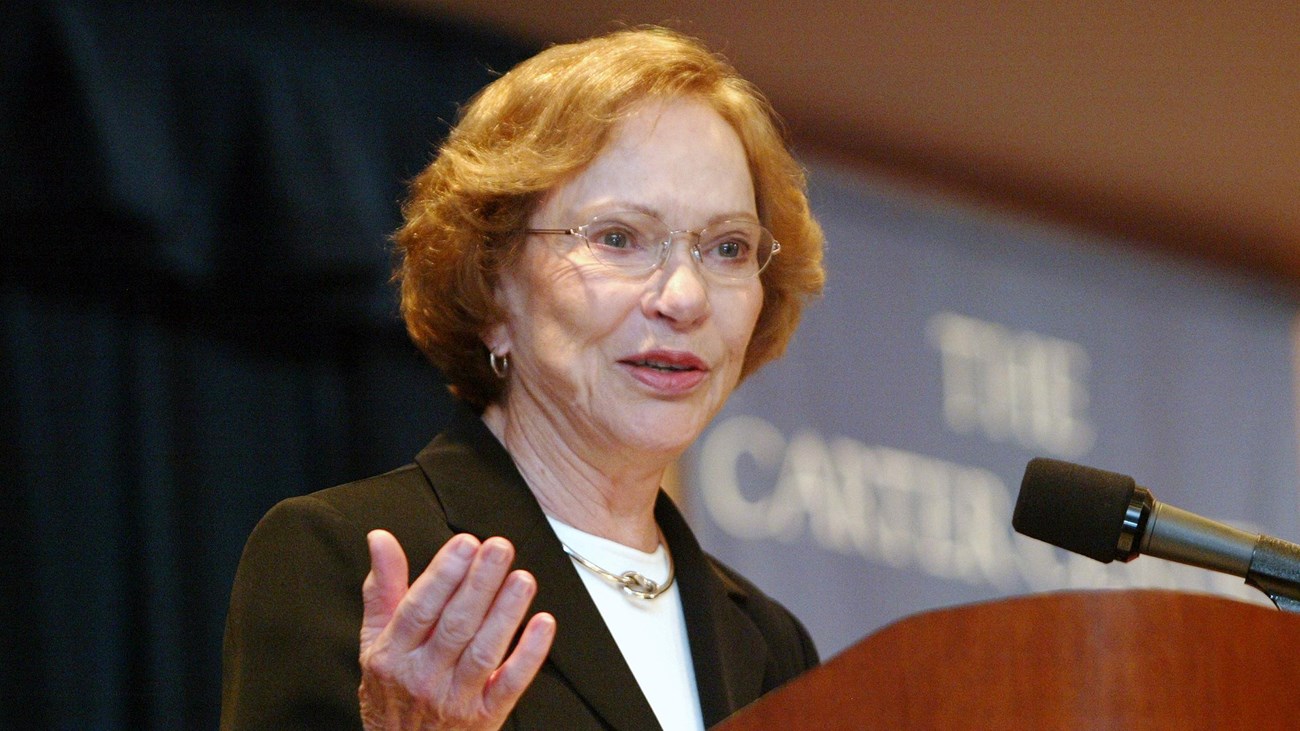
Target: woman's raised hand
(431, 654)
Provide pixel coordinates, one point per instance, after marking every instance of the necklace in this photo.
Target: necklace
(632, 582)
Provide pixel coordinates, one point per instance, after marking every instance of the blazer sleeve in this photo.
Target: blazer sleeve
(799, 657)
(792, 651)
(290, 652)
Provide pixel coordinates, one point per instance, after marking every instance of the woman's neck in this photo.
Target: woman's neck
(607, 492)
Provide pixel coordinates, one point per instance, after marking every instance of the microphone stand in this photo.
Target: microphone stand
(1275, 570)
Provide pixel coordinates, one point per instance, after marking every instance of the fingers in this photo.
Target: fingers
(472, 608)
(509, 682)
(438, 647)
(423, 606)
(384, 585)
(484, 652)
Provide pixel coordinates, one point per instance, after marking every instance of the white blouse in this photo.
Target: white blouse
(651, 633)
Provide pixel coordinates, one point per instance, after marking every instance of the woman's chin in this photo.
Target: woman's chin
(668, 428)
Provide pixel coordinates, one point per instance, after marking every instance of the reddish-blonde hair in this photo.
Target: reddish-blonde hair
(539, 124)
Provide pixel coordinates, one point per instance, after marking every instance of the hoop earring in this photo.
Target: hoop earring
(500, 364)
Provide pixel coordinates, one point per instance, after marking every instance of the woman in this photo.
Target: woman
(589, 263)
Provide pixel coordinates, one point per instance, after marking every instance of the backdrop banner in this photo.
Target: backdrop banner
(871, 473)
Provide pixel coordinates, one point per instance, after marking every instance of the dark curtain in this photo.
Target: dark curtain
(195, 316)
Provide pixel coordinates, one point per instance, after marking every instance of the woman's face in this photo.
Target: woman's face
(632, 363)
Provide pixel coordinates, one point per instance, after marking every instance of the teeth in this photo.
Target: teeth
(663, 366)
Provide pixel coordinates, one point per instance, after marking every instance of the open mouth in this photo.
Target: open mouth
(661, 366)
(668, 371)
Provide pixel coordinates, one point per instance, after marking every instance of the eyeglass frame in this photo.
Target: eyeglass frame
(665, 244)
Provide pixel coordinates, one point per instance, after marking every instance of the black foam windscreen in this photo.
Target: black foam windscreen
(1077, 508)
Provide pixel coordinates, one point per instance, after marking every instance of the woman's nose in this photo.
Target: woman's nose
(679, 291)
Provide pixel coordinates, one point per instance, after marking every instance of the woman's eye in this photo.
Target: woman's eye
(616, 239)
(615, 235)
(731, 249)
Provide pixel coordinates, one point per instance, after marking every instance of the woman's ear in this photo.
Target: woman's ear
(497, 339)
(497, 335)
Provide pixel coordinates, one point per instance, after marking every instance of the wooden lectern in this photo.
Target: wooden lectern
(1075, 660)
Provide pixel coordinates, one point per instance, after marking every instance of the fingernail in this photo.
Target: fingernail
(523, 585)
(496, 553)
(465, 546)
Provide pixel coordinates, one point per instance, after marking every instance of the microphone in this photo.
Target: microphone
(1107, 516)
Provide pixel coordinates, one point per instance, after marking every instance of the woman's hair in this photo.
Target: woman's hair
(540, 124)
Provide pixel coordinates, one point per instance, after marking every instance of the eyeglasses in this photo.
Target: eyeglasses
(638, 243)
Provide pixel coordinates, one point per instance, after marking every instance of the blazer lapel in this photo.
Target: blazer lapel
(483, 493)
(728, 650)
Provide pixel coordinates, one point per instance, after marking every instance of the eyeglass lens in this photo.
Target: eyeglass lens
(635, 242)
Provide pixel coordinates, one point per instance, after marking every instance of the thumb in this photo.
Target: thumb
(384, 586)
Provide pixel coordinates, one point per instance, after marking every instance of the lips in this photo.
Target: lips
(667, 371)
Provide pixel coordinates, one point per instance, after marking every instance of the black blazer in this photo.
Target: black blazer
(292, 634)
